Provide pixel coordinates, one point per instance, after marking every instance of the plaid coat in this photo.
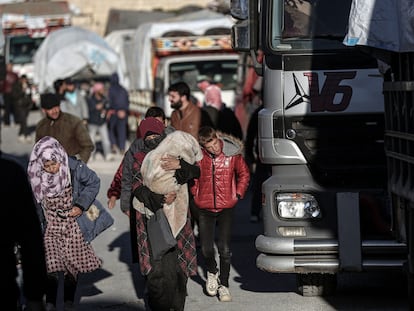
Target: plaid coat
(187, 257)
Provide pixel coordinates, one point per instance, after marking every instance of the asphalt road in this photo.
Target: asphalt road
(119, 286)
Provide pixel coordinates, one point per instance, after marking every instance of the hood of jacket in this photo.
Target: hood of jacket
(114, 79)
(231, 145)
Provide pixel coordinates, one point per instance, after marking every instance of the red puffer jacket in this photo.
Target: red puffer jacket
(223, 179)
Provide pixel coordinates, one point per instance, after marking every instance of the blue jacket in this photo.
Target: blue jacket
(117, 94)
(86, 184)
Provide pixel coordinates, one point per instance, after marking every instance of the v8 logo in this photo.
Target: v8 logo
(323, 100)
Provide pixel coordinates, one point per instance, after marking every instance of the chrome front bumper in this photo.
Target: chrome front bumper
(289, 255)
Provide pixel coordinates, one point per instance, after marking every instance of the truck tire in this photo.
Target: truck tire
(316, 284)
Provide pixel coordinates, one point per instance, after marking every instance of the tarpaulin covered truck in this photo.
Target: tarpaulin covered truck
(189, 47)
(25, 26)
(326, 207)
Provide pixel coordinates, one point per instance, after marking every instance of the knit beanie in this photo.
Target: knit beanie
(49, 100)
(150, 126)
(212, 97)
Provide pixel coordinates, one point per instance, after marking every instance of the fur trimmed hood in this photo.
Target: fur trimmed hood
(231, 145)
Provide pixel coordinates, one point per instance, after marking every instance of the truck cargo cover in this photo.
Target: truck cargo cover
(382, 24)
(196, 23)
(67, 51)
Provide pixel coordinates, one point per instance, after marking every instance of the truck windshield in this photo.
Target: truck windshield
(306, 20)
(22, 49)
(221, 72)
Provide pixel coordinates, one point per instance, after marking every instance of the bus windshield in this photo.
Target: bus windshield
(22, 49)
(221, 72)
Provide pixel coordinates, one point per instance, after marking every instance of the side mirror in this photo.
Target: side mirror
(245, 30)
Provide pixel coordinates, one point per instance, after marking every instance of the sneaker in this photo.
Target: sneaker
(212, 283)
(28, 139)
(109, 157)
(224, 294)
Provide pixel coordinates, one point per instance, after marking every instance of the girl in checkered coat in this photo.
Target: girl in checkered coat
(63, 188)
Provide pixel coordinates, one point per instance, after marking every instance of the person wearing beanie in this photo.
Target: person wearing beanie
(123, 173)
(68, 129)
(166, 277)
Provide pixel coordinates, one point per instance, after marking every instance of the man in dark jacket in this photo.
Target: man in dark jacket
(118, 120)
(68, 129)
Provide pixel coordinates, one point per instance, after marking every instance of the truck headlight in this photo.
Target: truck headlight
(297, 206)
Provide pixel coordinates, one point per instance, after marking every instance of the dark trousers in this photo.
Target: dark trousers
(207, 228)
(53, 285)
(167, 284)
(21, 113)
(8, 108)
(118, 132)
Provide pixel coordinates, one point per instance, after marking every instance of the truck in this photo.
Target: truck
(326, 206)
(372, 26)
(25, 25)
(189, 47)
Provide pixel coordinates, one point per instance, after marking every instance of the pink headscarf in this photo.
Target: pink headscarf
(98, 86)
(44, 183)
(212, 96)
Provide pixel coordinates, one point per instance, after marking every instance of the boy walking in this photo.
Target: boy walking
(223, 180)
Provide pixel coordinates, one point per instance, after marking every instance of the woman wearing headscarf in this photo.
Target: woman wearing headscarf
(167, 277)
(63, 187)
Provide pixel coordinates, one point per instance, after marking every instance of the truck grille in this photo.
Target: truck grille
(343, 151)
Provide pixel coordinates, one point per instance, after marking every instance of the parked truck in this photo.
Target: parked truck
(326, 207)
(372, 26)
(25, 25)
(189, 48)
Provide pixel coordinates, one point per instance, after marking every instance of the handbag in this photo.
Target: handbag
(160, 236)
(94, 221)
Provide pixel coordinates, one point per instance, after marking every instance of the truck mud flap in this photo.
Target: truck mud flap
(349, 236)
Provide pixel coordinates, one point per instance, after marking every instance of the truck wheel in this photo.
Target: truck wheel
(316, 284)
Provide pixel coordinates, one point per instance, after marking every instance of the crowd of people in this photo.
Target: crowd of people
(204, 162)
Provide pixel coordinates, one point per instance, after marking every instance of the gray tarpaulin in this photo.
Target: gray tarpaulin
(382, 24)
(67, 51)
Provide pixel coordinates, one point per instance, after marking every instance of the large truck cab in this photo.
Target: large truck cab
(326, 208)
